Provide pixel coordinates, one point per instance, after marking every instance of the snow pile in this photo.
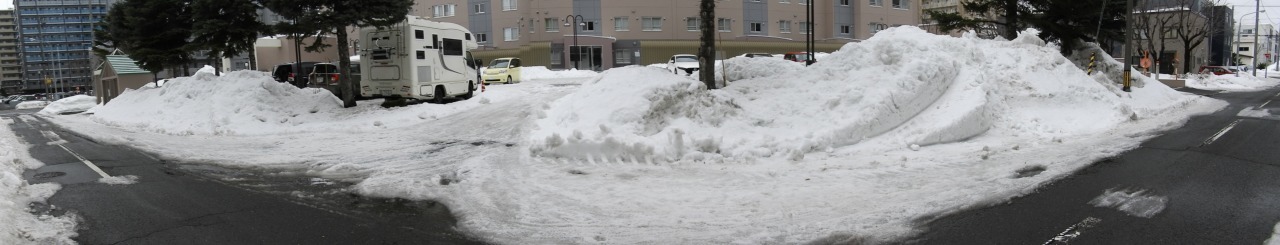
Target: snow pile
(242, 102)
(541, 72)
(251, 103)
(20, 225)
(119, 180)
(205, 70)
(1241, 82)
(73, 104)
(740, 68)
(31, 104)
(913, 87)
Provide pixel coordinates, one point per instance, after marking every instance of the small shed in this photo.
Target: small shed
(118, 73)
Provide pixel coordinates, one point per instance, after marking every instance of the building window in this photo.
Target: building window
(482, 37)
(784, 26)
(621, 24)
(622, 56)
(651, 23)
(422, 55)
(804, 2)
(1246, 49)
(806, 28)
(844, 29)
(692, 23)
(784, 1)
(508, 5)
(844, 2)
(418, 34)
(511, 33)
(876, 27)
(552, 24)
(901, 4)
(532, 24)
(556, 58)
(445, 10)
(876, 2)
(479, 8)
(589, 26)
(724, 24)
(1169, 34)
(756, 27)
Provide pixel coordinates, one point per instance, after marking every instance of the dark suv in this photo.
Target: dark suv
(284, 73)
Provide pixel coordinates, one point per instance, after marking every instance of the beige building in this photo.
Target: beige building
(10, 65)
(272, 51)
(116, 74)
(607, 34)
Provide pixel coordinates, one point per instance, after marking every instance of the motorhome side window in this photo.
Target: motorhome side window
(422, 55)
(451, 46)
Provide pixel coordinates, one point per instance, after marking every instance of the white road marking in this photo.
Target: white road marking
(54, 139)
(1264, 104)
(1071, 233)
(1215, 137)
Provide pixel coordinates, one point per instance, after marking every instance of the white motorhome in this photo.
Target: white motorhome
(418, 59)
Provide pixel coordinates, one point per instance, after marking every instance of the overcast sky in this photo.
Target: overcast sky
(1245, 7)
(6, 4)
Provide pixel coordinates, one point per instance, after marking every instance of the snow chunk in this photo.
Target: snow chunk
(73, 104)
(541, 72)
(119, 180)
(31, 104)
(1241, 82)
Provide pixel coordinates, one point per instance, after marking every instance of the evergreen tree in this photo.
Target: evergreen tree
(318, 18)
(154, 33)
(1066, 21)
(224, 28)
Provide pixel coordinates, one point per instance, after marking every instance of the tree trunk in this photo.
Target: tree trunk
(216, 62)
(707, 51)
(253, 57)
(1011, 19)
(345, 86)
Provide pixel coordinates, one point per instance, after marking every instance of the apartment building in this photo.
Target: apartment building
(604, 34)
(55, 39)
(10, 65)
(1246, 50)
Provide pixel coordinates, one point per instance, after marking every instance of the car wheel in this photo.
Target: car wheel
(508, 80)
(471, 89)
(439, 98)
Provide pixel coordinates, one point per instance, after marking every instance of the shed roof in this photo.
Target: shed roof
(124, 65)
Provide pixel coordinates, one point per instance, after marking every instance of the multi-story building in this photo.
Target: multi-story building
(603, 34)
(940, 6)
(10, 65)
(1220, 41)
(1247, 50)
(55, 38)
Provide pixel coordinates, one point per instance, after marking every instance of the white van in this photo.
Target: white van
(418, 59)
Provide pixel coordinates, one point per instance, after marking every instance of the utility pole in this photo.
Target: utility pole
(1128, 47)
(1256, 8)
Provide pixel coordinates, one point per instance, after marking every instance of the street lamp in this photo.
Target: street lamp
(1239, 25)
(577, 20)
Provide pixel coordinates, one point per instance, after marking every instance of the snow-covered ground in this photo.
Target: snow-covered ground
(73, 104)
(1242, 82)
(899, 128)
(34, 104)
(20, 225)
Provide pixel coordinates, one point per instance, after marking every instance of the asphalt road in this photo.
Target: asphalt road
(198, 204)
(1218, 178)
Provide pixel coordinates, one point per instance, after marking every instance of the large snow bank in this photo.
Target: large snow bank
(1243, 82)
(73, 104)
(740, 68)
(541, 72)
(924, 88)
(20, 226)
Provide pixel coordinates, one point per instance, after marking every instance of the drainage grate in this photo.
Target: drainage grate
(48, 175)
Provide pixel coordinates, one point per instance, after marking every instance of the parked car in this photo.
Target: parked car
(1216, 70)
(757, 55)
(683, 62)
(503, 70)
(20, 99)
(11, 97)
(284, 73)
(797, 56)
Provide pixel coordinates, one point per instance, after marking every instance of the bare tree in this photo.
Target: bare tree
(1193, 26)
(1152, 23)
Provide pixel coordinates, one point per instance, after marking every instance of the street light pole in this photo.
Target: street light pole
(1256, 8)
(576, 20)
(1240, 25)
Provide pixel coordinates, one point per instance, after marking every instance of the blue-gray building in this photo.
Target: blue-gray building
(55, 37)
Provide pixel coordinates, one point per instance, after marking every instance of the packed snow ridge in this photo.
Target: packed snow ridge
(905, 85)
